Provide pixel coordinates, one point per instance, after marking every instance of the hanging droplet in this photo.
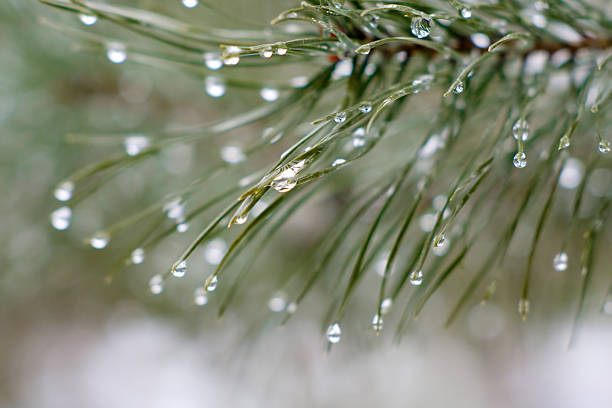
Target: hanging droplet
(116, 53)
(564, 142)
(459, 88)
(520, 129)
(420, 27)
(135, 144)
(179, 270)
(232, 154)
(212, 61)
(137, 256)
(334, 333)
(242, 219)
(287, 179)
(199, 296)
(281, 50)
(466, 12)
(211, 283)
(266, 52)
(560, 262)
(440, 241)
(603, 146)
(99, 240)
(215, 87)
(60, 218)
(377, 323)
(156, 284)
(64, 190)
(215, 251)
(520, 160)
(231, 55)
(416, 278)
(385, 305)
(340, 117)
(190, 3)
(182, 227)
(277, 303)
(523, 308)
(338, 162)
(175, 209)
(365, 107)
(269, 94)
(88, 19)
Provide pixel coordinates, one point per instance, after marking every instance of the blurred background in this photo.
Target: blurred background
(68, 339)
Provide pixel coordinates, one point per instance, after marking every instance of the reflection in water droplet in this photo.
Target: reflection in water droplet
(523, 308)
(560, 262)
(135, 144)
(269, 94)
(64, 190)
(211, 283)
(365, 107)
(179, 270)
(182, 227)
(99, 240)
(212, 61)
(420, 27)
(231, 55)
(416, 278)
(520, 160)
(280, 50)
(334, 333)
(60, 218)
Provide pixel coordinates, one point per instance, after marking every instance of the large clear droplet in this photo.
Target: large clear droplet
(416, 278)
(211, 283)
(420, 27)
(603, 146)
(242, 219)
(287, 179)
(520, 129)
(269, 94)
(440, 241)
(190, 3)
(60, 218)
(116, 53)
(179, 270)
(520, 160)
(88, 19)
(137, 256)
(560, 262)
(385, 305)
(99, 240)
(377, 323)
(156, 284)
(199, 296)
(523, 308)
(231, 55)
(215, 87)
(334, 333)
(212, 61)
(135, 144)
(64, 190)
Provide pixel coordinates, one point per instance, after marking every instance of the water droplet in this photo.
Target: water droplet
(603, 146)
(156, 284)
(179, 270)
(377, 323)
(292, 308)
(520, 129)
(88, 19)
(242, 219)
(523, 308)
(338, 162)
(365, 107)
(480, 40)
(269, 94)
(60, 218)
(466, 12)
(572, 173)
(116, 53)
(459, 87)
(560, 262)
(199, 296)
(520, 160)
(343, 69)
(358, 139)
(231, 55)
(416, 278)
(190, 3)
(232, 154)
(175, 209)
(137, 256)
(99, 240)
(340, 117)
(135, 144)
(215, 87)
(215, 251)
(277, 303)
(287, 179)
(385, 305)
(211, 283)
(420, 27)
(334, 333)
(281, 50)
(212, 61)
(440, 241)
(182, 227)
(266, 52)
(64, 190)
(564, 142)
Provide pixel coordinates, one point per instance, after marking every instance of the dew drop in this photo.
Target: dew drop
(156, 284)
(440, 241)
(215, 251)
(135, 144)
(211, 283)
(287, 179)
(459, 87)
(116, 53)
(520, 129)
(179, 270)
(190, 3)
(466, 12)
(60, 218)
(215, 87)
(242, 219)
(560, 262)
(385, 305)
(338, 162)
(269, 94)
(99, 240)
(231, 55)
(88, 19)
(232, 154)
(340, 117)
(420, 27)
(520, 160)
(182, 227)
(523, 308)
(292, 307)
(137, 256)
(175, 209)
(564, 142)
(334, 333)
(199, 296)
(603, 146)
(64, 190)
(277, 303)
(416, 278)
(266, 52)
(377, 323)
(281, 50)
(212, 61)
(365, 107)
